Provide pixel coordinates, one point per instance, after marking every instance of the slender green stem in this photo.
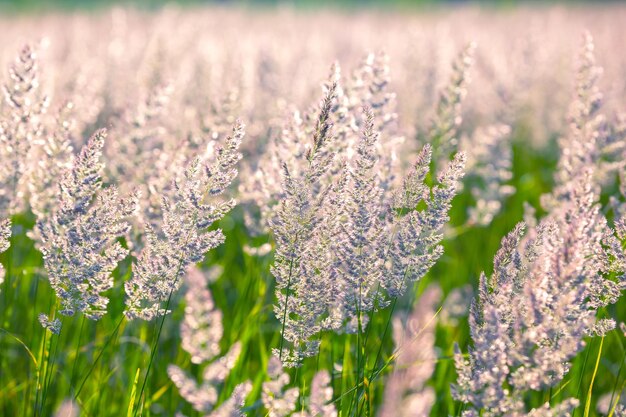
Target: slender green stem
(35, 321)
(41, 361)
(359, 379)
(50, 372)
(319, 350)
(80, 334)
(282, 332)
(380, 348)
(295, 380)
(619, 371)
(153, 353)
(7, 276)
(33, 331)
(344, 375)
(44, 364)
(6, 285)
(593, 378)
(582, 373)
(617, 400)
(158, 336)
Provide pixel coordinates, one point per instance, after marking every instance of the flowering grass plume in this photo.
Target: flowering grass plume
(581, 146)
(278, 401)
(160, 266)
(80, 240)
(53, 326)
(143, 136)
(301, 295)
(319, 404)
(20, 128)
(201, 331)
(56, 159)
(290, 150)
(341, 249)
(406, 392)
(489, 166)
(448, 117)
(203, 397)
(359, 263)
(420, 213)
(5, 236)
(367, 86)
(281, 402)
(532, 314)
(303, 298)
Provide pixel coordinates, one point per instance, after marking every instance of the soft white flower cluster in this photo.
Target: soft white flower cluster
(319, 404)
(353, 228)
(297, 222)
(5, 236)
(151, 163)
(278, 401)
(366, 86)
(532, 314)
(184, 239)
(406, 392)
(592, 140)
(447, 118)
(55, 159)
(79, 240)
(281, 402)
(489, 164)
(80, 222)
(201, 331)
(203, 397)
(345, 245)
(53, 326)
(20, 128)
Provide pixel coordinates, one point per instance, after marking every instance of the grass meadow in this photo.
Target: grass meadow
(328, 203)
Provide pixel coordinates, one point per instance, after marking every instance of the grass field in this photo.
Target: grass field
(169, 85)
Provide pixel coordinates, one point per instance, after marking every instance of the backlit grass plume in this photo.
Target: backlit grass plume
(302, 294)
(5, 236)
(201, 332)
(20, 127)
(343, 250)
(447, 118)
(489, 166)
(406, 390)
(80, 240)
(185, 238)
(533, 313)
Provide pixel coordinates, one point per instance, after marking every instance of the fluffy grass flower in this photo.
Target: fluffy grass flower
(185, 237)
(80, 240)
(5, 236)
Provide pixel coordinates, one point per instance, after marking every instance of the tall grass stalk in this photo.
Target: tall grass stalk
(155, 343)
(593, 378)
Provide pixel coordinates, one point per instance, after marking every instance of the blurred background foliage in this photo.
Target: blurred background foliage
(20, 6)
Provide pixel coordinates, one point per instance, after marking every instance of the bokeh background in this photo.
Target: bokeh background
(47, 5)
